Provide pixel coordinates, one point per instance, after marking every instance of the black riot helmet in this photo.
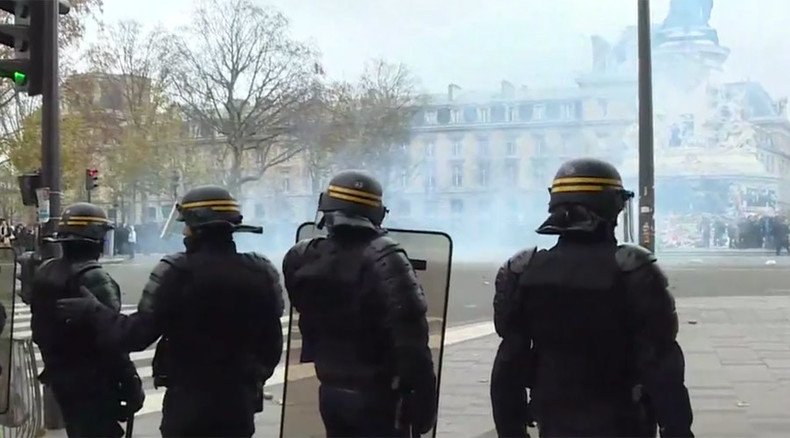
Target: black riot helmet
(84, 222)
(585, 185)
(209, 206)
(353, 198)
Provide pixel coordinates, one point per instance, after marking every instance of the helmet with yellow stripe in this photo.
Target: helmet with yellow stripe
(357, 199)
(82, 221)
(592, 183)
(209, 205)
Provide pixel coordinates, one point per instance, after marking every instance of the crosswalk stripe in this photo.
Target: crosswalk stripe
(142, 359)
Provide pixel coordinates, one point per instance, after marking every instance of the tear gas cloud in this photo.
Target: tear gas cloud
(709, 174)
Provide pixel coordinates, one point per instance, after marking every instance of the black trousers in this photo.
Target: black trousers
(88, 414)
(355, 413)
(224, 411)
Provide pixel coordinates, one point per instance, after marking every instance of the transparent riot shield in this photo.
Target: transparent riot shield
(172, 227)
(7, 295)
(627, 223)
(431, 255)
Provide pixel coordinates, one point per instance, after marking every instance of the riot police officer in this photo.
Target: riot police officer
(362, 317)
(218, 314)
(89, 381)
(588, 326)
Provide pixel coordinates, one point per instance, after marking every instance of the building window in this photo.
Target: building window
(484, 115)
(456, 206)
(430, 180)
(567, 111)
(511, 173)
(483, 149)
(286, 183)
(540, 145)
(511, 149)
(512, 114)
(458, 175)
(538, 112)
(458, 148)
(483, 173)
(431, 117)
(455, 116)
(430, 150)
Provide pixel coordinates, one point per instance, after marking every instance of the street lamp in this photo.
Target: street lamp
(647, 199)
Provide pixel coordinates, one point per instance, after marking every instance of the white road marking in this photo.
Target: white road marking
(454, 335)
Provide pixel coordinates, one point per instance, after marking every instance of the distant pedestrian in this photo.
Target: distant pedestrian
(132, 241)
(780, 235)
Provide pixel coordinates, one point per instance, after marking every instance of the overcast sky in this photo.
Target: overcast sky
(477, 43)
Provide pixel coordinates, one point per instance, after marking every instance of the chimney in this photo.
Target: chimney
(508, 90)
(451, 90)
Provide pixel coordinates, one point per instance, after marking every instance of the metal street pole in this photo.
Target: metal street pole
(647, 199)
(50, 118)
(50, 164)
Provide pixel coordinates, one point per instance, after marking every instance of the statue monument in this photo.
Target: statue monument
(688, 14)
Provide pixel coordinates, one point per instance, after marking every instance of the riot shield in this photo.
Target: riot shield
(431, 256)
(172, 227)
(7, 295)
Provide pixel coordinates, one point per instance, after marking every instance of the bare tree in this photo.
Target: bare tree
(324, 128)
(385, 101)
(237, 70)
(129, 66)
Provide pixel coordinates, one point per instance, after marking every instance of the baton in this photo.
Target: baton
(130, 427)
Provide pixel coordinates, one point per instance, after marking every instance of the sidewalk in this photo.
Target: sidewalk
(715, 251)
(737, 370)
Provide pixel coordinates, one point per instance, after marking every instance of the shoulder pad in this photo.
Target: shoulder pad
(632, 257)
(519, 262)
(258, 261)
(84, 267)
(303, 245)
(383, 245)
(177, 260)
(47, 263)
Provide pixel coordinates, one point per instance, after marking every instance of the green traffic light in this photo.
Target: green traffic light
(19, 78)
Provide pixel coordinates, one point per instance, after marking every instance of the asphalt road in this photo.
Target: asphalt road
(471, 291)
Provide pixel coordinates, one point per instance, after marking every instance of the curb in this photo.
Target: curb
(113, 261)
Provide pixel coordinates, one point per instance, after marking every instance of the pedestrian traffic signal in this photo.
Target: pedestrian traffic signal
(91, 178)
(26, 36)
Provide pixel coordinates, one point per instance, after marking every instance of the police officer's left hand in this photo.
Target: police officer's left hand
(69, 309)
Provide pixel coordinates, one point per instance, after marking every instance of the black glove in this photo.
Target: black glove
(419, 410)
(131, 396)
(76, 309)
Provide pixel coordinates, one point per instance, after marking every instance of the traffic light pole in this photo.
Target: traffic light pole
(50, 165)
(647, 199)
(50, 117)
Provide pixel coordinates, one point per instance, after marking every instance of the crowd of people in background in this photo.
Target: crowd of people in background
(20, 237)
(751, 231)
